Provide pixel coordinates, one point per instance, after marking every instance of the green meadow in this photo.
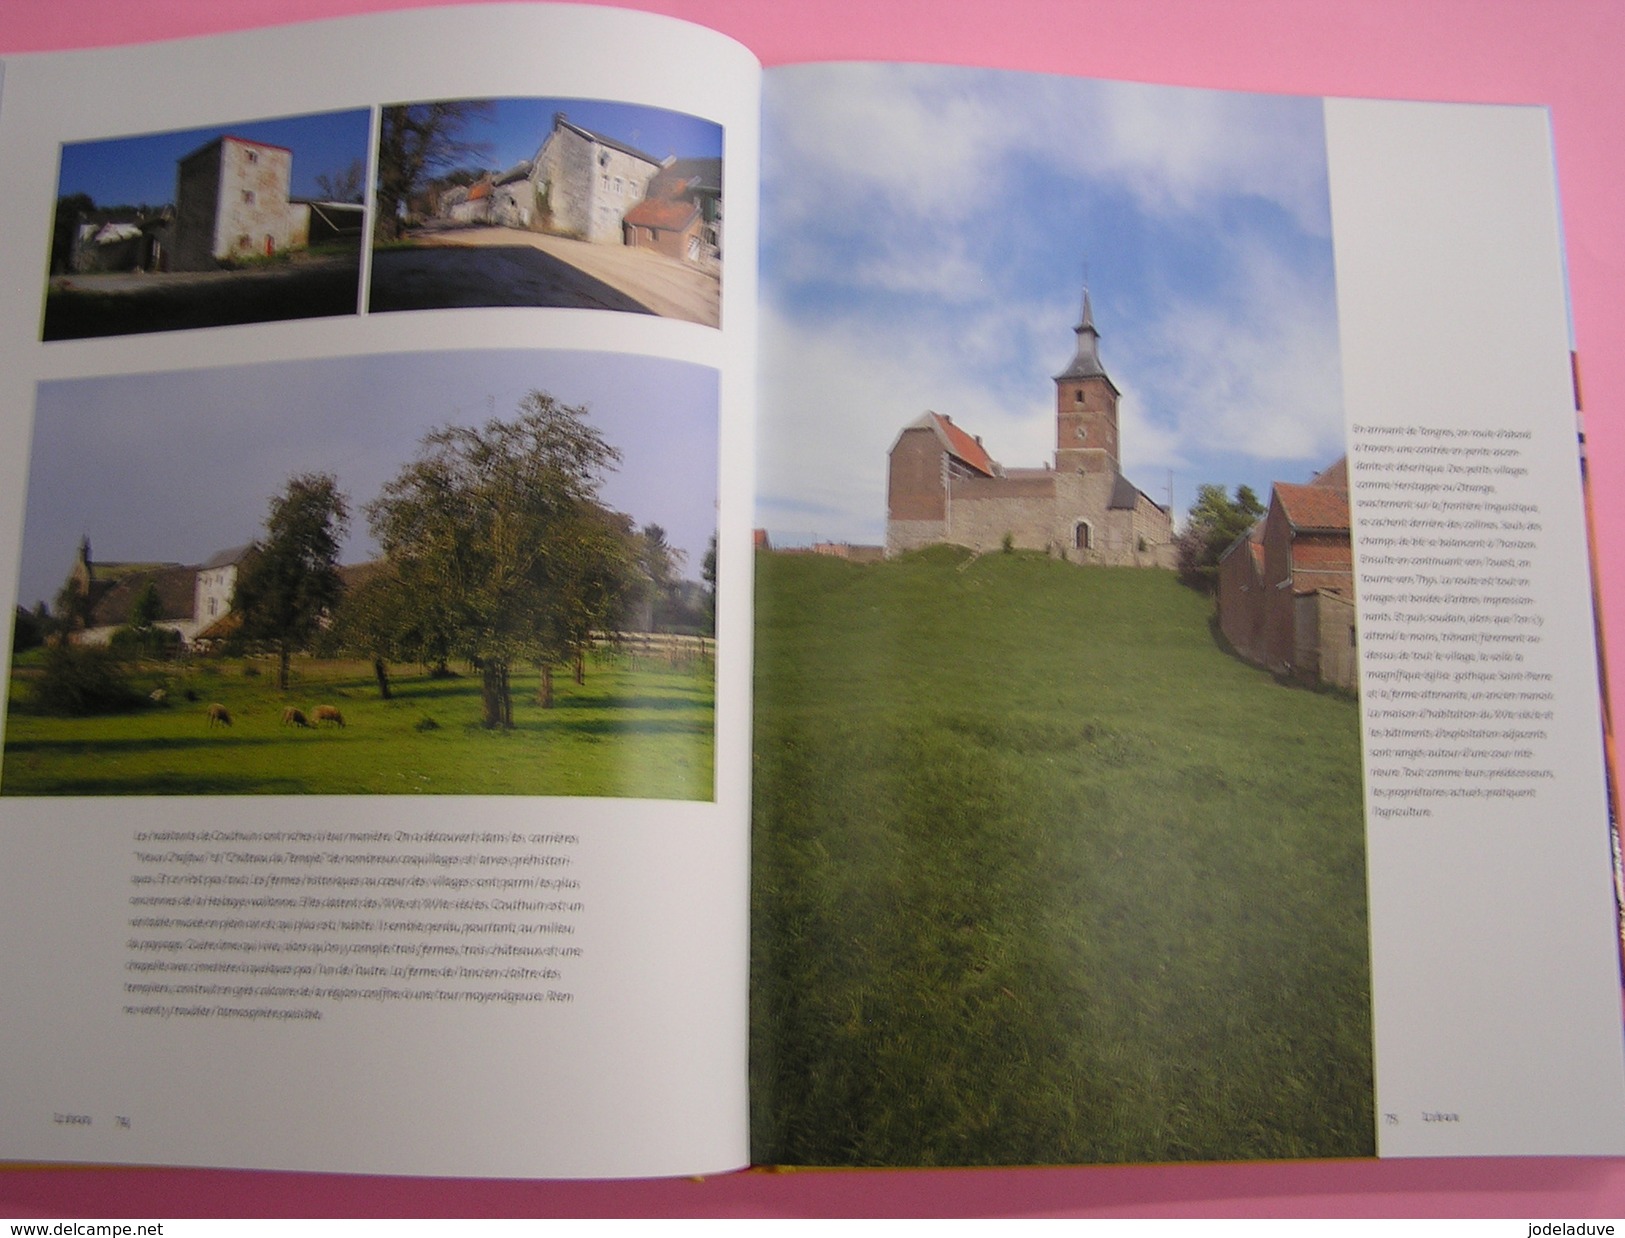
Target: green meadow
(1043, 875)
(635, 727)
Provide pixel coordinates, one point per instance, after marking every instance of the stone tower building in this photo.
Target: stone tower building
(231, 203)
(1086, 407)
(943, 486)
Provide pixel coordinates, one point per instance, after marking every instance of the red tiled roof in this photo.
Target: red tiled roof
(1313, 507)
(1335, 475)
(663, 214)
(964, 445)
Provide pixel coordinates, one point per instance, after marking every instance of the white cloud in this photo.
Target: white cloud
(1179, 149)
(835, 395)
(922, 148)
(1256, 378)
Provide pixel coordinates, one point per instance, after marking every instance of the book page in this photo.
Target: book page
(1494, 930)
(1081, 831)
(377, 473)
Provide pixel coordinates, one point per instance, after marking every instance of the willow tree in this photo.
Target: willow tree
(497, 542)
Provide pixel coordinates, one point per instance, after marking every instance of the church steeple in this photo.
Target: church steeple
(1086, 405)
(1086, 364)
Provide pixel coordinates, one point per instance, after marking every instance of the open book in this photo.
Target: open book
(583, 609)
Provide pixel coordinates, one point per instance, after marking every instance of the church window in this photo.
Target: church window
(1083, 537)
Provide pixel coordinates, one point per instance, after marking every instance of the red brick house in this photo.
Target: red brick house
(681, 213)
(1286, 588)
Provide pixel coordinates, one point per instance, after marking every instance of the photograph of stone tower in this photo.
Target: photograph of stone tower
(256, 220)
(231, 201)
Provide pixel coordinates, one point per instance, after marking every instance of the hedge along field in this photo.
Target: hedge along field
(1041, 875)
(634, 728)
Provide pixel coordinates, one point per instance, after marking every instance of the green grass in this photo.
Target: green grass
(1043, 876)
(639, 730)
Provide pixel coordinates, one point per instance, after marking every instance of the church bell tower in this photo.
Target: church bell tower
(1086, 407)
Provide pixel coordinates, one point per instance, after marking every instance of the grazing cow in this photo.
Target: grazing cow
(219, 714)
(329, 713)
(294, 717)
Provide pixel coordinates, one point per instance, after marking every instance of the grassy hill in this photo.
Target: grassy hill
(1043, 875)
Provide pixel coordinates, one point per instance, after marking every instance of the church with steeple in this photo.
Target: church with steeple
(943, 486)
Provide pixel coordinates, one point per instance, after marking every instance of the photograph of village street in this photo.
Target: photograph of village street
(1058, 846)
(462, 573)
(255, 221)
(578, 203)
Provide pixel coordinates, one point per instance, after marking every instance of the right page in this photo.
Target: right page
(1495, 962)
(1177, 724)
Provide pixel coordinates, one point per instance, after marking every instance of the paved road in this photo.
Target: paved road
(505, 266)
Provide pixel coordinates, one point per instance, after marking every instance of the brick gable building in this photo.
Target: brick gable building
(1286, 589)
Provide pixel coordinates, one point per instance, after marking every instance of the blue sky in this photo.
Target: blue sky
(179, 465)
(135, 170)
(926, 234)
(513, 129)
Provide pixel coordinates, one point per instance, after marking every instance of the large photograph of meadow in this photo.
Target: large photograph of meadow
(457, 573)
(1058, 843)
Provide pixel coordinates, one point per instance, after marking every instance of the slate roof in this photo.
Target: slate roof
(561, 121)
(1125, 495)
(1086, 362)
(224, 558)
(111, 608)
(687, 176)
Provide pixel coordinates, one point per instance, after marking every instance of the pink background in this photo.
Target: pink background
(1566, 54)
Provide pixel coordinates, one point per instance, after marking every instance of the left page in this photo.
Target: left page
(374, 519)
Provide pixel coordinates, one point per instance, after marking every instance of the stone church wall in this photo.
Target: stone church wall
(981, 510)
(905, 535)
